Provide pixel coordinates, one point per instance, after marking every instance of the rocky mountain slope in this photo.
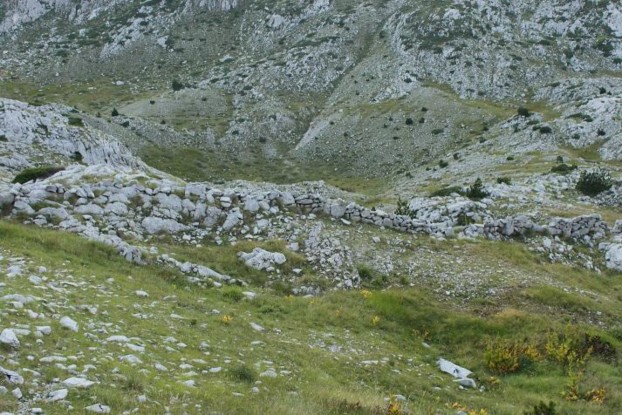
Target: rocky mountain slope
(341, 84)
(438, 163)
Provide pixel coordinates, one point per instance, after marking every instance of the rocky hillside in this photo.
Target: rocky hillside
(449, 186)
(365, 88)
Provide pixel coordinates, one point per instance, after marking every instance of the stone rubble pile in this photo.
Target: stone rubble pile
(113, 205)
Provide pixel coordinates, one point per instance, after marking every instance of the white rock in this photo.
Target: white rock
(78, 383)
(160, 367)
(142, 294)
(17, 392)
(131, 359)
(12, 377)
(9, 338)
(98, 408)
(118, 339)
(257, 327)
(69, 323)
(453, 369)
(45, 330)
(57, 395)
(270, 373)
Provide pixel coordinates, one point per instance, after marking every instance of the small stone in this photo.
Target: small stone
(78, 383)
(57, 395)
(270, 373)
(45, 330)
(17, 392)
(142, 294)
(9, 338)
(257, 327)
(118, 339)
(12, 377)
(98, 408)
(69, 323)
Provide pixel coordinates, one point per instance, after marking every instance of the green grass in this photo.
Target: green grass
(195, 164)
(320, 342)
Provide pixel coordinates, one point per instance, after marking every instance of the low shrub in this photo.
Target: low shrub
(36, 173)
(76, 122)
(476, 191)
(543, 409)
(243, 373)
(563, 168)
(593, 182)
(447, 191)
(504, 180)
(403, 209)
(365, 272)
(176, 85)
(523, 112)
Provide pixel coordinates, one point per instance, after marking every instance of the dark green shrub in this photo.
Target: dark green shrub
(447, 191)
(114, 112)
(243, 373)
(233, 294)
(505, 180)
(437, 131)
(76, 122)
(403, 209)
(545, 129)
(442, 164)
(509, 158)
(176, 85)
(476, 191)
(464, 220)
(542, 409)
(523, 112)
(594, 182)
(559, 159)
(365, 272)
(76, 156)
(409, 121)
(563, 168)
(3, 138)
(36, 173)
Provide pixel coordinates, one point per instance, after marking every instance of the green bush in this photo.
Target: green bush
(77, 157)
(176, 85)
(365, 272)
(476, 191)
(114, 112)
(36, 173)
(594, 182)
(76, 121)
(447, 191)
(563, 168)
(523, 112)
(233, 294)
(504, 180)
(542, 409)
(403, 209)
(243, 373)
(442, 164)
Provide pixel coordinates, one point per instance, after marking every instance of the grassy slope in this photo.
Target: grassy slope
(385, 326)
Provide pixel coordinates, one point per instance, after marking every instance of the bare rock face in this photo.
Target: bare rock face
(55, 133)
